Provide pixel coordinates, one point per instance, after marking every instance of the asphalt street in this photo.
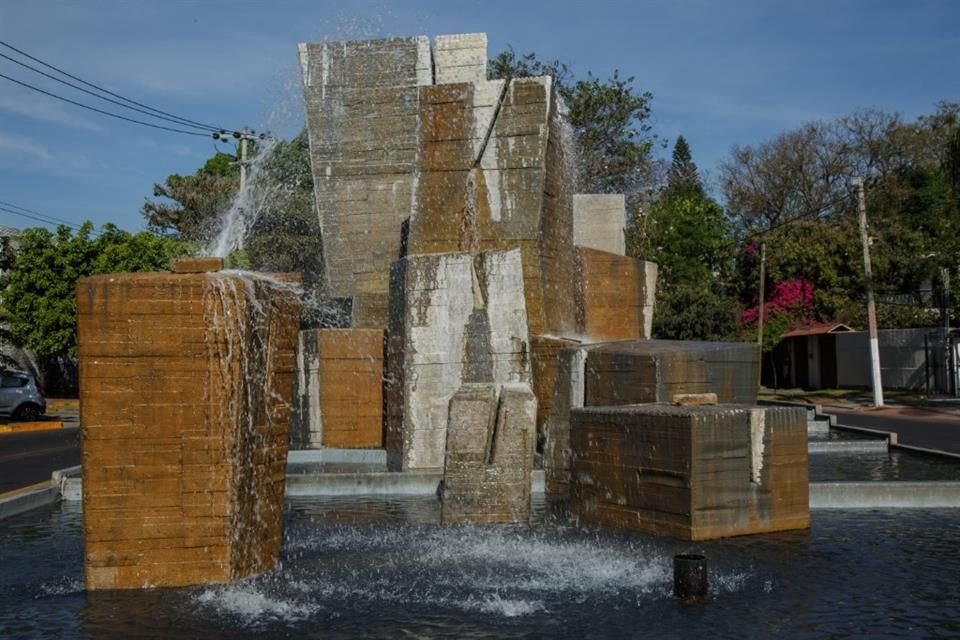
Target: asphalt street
(30, 457)
(926, 427)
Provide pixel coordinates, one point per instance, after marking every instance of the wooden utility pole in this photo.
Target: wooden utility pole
(871, 308)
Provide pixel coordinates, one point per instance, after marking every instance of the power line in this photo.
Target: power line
(37, 218)
(107, 91)
(106, 113)
(37, 213)
(96, 95)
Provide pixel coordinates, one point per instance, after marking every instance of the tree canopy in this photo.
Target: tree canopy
(38, 293)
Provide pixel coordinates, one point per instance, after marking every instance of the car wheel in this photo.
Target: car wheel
(27, 412)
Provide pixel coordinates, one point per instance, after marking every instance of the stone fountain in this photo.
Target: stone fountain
(486, 311)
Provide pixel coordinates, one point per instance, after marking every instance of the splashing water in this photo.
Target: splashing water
(247, 205)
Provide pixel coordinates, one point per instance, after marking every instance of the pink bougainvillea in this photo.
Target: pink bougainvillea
(790, 297)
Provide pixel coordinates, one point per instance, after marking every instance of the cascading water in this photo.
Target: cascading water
(249, 202)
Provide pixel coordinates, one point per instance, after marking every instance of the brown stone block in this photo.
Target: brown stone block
(196, 265)
(696, 472)
(544, 352)
(181, 407)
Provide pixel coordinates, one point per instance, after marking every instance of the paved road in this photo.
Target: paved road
(929, 428)
(30, 457)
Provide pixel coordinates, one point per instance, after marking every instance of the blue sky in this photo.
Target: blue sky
(722, 73)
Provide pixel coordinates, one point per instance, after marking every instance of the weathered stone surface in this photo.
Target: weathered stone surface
(489, 459)
(338, 390)
(545, 351)
(460, 58)
(636, 371)
(567, 396)
(195, 265)
(362, 118)
(615, 295)
(691, 472)
(493, 177)
(184, 381)
(598, 221)
(454, 318)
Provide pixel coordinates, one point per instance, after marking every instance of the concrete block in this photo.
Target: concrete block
(460, 58)
(185, 382)
(567, 396)
(691, 472)
(489, 460)
(615, 295)
(599, 220)
(339, 389)
(454, 318)
(545, 352)
(362, 117)
(638, 371)
(493, 177)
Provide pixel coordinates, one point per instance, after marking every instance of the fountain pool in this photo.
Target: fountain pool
(374, 567)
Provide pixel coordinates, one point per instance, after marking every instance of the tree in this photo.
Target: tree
(189, 206)
(284, 233)
(794, 191)
(683, 171)
(685, 232)
(610, 120)
(39, 289)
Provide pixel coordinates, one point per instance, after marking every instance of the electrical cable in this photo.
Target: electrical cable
(106, 113)
(38, 218)
(37, 213)
(108, 92)
(96, 95)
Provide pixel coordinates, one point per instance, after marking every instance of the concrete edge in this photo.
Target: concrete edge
(848, 446)
(361, 456)
(25, 427)
(885, 495)
(18, 501)
(818, 412)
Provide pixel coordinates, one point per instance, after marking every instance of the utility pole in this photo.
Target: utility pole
(244, 136)
(871, 308)
(763, 267)
(951, 365)
(763, 275)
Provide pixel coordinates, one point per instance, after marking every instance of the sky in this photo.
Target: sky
(723, 73)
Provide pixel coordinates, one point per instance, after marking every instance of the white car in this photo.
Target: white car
(21, 396)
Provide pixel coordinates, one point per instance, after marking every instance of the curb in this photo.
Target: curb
(18, 501)
(20, 427)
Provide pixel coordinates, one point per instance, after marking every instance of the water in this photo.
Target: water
(385, 568)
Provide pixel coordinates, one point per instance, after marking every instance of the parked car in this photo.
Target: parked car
(21, 396)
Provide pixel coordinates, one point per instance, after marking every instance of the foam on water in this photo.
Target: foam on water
(250, 602)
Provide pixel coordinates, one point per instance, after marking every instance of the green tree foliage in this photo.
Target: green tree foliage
(285, 235)
(187, 207)
(685, 232)
(610, 120)
(39, 288)
(794, 192)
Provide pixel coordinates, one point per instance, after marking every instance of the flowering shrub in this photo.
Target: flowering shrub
(793, 298)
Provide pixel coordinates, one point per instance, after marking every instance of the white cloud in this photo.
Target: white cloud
(23, 145)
